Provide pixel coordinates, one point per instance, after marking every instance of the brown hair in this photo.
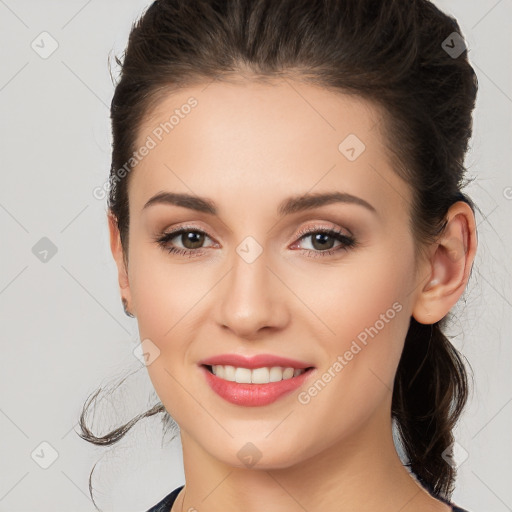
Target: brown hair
(392, 53)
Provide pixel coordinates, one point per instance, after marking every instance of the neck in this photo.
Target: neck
(361, 472)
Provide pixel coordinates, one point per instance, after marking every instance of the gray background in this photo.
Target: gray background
(63, 329)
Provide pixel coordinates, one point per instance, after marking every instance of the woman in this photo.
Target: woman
(287, 219)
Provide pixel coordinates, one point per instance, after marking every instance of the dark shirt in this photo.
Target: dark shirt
(166, 503)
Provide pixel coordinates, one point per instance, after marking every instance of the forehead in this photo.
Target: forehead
(265, 141)
(247, 107)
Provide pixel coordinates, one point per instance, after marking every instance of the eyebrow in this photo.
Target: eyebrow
(288, 206)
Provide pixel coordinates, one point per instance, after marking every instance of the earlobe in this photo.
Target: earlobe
(117, 253)
(449, 267)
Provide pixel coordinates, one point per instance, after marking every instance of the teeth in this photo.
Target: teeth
(257, 375)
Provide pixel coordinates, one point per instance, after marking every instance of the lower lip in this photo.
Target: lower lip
(253, 395)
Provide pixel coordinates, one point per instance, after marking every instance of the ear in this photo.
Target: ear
(120, 258)
(449, 266)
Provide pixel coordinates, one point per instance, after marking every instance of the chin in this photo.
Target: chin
(259, 454)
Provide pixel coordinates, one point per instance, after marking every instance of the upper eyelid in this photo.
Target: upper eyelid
(303, 230)
(301, 233)
(310, 229)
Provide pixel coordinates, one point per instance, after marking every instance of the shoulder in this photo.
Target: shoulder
(166, 503)
(446, 501)
(454, 507)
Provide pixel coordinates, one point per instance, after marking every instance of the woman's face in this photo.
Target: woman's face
(248, 281)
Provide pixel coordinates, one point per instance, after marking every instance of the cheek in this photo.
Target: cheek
(169, 299)
(164, 294)
(369, 316)
(166, 299)
(366, 307)
(371, 287)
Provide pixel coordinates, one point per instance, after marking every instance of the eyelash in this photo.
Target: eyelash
(348, 242)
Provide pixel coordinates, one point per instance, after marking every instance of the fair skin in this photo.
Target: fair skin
(247, 147)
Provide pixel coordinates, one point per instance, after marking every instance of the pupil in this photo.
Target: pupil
(321, 238)
(190, 239)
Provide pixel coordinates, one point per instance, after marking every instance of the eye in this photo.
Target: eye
(191, 238)
(322, 241)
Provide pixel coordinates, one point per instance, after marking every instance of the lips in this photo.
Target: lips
(251, 395)
(257, 361)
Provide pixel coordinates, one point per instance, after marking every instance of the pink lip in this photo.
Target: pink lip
(258, 361)
(252, 395)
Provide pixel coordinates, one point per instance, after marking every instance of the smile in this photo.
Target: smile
(262, 375)
(254, 387)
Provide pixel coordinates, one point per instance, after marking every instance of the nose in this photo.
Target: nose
(252, 299)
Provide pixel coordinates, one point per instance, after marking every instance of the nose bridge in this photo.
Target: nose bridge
(250, 299)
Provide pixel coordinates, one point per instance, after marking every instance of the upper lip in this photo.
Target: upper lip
(256, 361)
